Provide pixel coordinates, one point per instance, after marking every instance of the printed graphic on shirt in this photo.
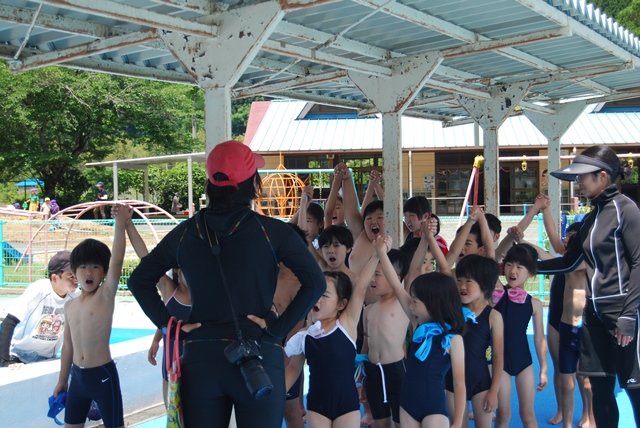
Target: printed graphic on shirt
(50, 326)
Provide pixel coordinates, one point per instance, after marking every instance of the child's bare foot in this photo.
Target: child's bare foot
(367, 417)
(366, 421)
(584, 422)
(556, 419)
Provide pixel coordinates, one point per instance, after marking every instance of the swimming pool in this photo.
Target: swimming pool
(123, 334)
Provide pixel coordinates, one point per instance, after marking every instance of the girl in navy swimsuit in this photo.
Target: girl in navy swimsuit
(477, 277)
(329, 346)
(436, 347)
(517, 307)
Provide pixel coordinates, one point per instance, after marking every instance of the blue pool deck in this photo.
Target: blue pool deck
(141, 382)
(545, 404)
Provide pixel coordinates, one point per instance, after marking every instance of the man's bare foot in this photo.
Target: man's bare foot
(556, 419)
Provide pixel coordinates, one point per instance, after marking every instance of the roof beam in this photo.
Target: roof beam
(340, 42)
(525, 105)
(291, 5)
(201, 6)
(93, 48)
(275, 66)
(492, 45)
(311, 55)
(111, 67)
(549, 12)
(130, 70)
(296, 82)
(319, 99)
(457, 89)
(628, 94)
(57, 22)
(562, 75)
(359, 48)
(428, 116)
(429, 22)
(421, 19)
(123, 12)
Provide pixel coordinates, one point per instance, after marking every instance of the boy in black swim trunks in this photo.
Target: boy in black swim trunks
(85, 353)
(384, 325)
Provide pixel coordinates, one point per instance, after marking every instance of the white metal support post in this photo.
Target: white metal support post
(216, 63)
(553, 127)
(115, 181)
(490, 114)
(391, 96)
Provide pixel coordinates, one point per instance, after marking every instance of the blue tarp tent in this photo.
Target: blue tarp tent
(29, 182)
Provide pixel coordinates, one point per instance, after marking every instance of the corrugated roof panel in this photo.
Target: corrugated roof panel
(279, 132)
(401, 26)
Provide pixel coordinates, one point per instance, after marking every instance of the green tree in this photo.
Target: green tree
(54, 120)
(611, 7)
(626, 12)
(164, 182)
(630, 17)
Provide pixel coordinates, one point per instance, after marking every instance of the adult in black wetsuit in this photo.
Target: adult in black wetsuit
(609, 244)
(251, 246)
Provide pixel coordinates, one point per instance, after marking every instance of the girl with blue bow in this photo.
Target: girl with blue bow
(435, 311)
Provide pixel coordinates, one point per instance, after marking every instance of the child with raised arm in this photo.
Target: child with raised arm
(329, 347)
(470, 237)
(85, 353)
(333, 207)
(364, 228)
(336, 243)
(385, 326)
(476, 277)
(517, 307)
(427, 252)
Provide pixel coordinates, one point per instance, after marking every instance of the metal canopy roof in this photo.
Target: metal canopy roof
(566, 49)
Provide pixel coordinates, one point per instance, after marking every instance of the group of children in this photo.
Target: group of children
(438, 328)
(434, 325)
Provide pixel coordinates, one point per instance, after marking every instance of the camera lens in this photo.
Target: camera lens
(256, 378)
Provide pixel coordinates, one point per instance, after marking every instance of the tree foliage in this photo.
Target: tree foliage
(54, 120)
(626, 12)
(611, 7)
(165, 182)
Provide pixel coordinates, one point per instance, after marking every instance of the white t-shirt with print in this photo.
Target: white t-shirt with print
(41, 327)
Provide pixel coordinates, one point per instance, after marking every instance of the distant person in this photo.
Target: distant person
(45, 209)
(55, 208)
(101, 195)
(85, 354)
(176, 206)
(33, 328)
(34, 200)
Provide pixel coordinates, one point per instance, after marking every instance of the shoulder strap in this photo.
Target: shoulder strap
(167, 340)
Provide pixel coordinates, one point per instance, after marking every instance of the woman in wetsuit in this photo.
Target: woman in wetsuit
(229, 256)
(609, 244)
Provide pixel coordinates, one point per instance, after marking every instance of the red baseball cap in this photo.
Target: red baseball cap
(235, 160)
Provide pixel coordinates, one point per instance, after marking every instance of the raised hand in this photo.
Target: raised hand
(375, 176)
(427, 228)
(516, 233)
(475, 213)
